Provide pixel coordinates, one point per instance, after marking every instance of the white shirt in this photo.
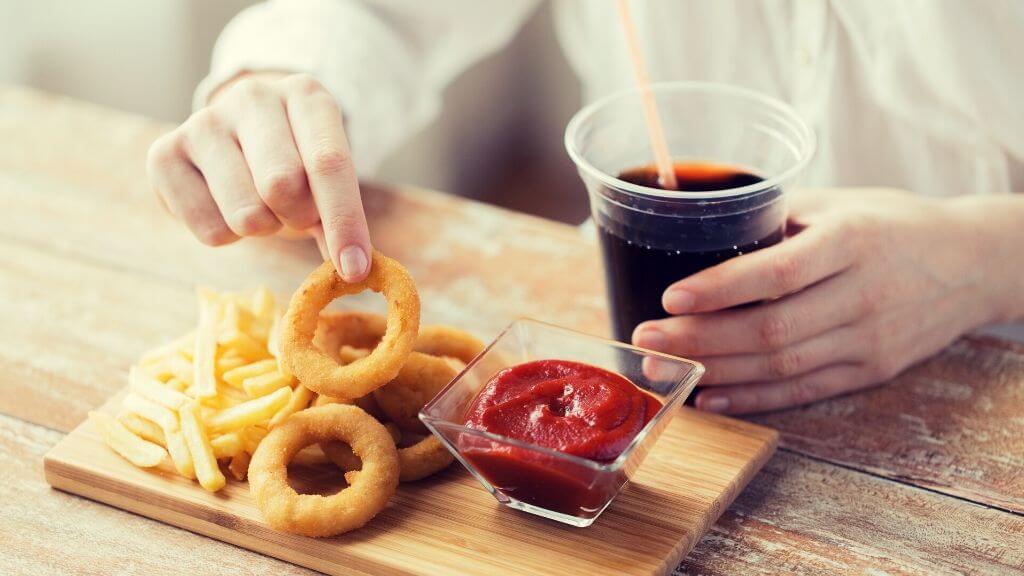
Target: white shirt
(923, 95)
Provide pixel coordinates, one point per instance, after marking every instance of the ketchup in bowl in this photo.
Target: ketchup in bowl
(565, 406)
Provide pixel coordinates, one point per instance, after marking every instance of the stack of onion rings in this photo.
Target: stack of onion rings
(372, 375)
(427, 371)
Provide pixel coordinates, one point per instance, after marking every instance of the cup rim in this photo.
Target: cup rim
(809, 143)
(672, 401)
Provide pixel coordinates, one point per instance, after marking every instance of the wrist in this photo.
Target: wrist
(993, 230)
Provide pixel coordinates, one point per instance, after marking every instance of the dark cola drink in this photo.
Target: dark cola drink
(651, 240)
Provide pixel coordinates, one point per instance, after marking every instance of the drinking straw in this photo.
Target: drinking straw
(666, 175)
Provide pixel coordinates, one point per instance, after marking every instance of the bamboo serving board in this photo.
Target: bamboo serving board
(448, 524)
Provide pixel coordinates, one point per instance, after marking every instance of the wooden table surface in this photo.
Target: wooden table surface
(924, 475)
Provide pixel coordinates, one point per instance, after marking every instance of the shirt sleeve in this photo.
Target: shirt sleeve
(949, 72)
(386, 62)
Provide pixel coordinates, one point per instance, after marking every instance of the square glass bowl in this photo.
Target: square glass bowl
(545, 482)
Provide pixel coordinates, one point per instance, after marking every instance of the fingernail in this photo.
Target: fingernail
(677, 301)
(649, 338)
(713, 403)
(353, 262)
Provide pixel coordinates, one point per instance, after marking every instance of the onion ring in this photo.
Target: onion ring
(422, 377)
(316, 369)
(367, 403)
(313, 514)
(337, 329)
(440, 340)
(346, 355)
(422, 459)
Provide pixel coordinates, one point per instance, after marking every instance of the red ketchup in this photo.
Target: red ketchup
(565, 406)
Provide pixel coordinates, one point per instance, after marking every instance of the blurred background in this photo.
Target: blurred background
(147, 57)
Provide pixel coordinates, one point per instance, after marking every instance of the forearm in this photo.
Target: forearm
(994, 227)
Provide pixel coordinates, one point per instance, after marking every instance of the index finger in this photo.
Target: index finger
(816, 253)
(320, 137)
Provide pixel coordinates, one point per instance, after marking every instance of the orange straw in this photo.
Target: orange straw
(666, 175)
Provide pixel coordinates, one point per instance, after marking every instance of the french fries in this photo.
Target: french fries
(227, 445)
(206, 400)
(152, 411)
(239, 466)
(254, 411)
(154, 391)
(229, 362)
(252, 436)
(263, 305)
(301, 397)
(181, 457)
(204, 359)
(238, 375)
(265, 384)
(244, 344)
(145, 429)
(207, 472)
(139, 452)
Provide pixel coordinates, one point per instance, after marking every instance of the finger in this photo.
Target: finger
(766, 396)
(317, 125)
(833, 347)
(216, 154)
(273, 158)
(183, 191)
(318, 234)
(663, 370)
(763, 327)
(797, 262)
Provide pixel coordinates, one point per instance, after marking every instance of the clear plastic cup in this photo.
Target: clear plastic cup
(651, 238)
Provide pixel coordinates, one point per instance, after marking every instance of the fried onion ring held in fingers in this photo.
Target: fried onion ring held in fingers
(422, 377)
(316, 369)
(337, 329)
(313, 514)
(358, 330)
(422, 459)
(347, 355)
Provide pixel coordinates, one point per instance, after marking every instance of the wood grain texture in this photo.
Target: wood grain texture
(44, 531)
(71, 328)
(448, 524)
(954, 424)
(802, 516)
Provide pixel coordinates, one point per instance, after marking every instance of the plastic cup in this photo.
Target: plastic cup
(651, 238)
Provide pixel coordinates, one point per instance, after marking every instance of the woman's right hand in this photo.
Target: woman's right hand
(268, 150)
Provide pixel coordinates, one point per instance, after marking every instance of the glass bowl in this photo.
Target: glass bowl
(545, 482)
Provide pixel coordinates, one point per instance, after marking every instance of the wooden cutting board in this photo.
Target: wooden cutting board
(448, 524)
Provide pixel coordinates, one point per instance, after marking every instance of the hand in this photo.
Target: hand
(871, 282)
(269, 150)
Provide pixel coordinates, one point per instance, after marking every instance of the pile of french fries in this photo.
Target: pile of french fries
(210, 396)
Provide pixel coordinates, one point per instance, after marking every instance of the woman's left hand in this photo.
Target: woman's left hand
(870, 282)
